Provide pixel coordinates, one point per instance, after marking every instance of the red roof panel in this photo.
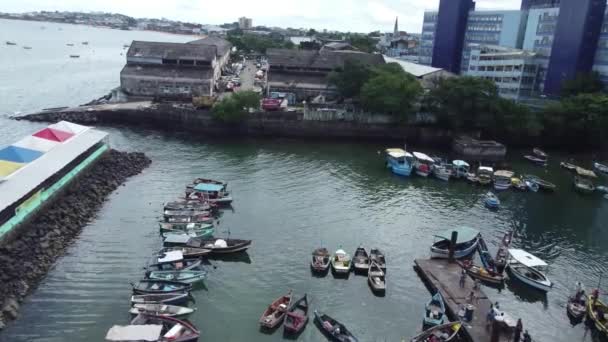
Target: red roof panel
(53, 134)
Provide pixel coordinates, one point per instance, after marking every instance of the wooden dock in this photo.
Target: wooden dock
(440, 275)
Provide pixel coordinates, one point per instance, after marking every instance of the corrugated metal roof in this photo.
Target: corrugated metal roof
(417, 70)
(222, 45)
(172, 50)
(326, 59)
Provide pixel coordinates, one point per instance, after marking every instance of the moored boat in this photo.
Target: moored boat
(213, 193)
(529, 269)
(161, 298)
(173, 261)
(376, 256)
(333, 329)
(442, 172)
(536, 160)
(601, 168)
(399, 161)
(502, 255)
(297, 316)
(160, 286)
(443, 333)
(225, 246)
(484, 275)
(74, 56)
(341, 262)
(275, 312)
(491, 201)
(466, 243)
(361, 262)
(540, 153)
(472, 178)
(568, 166)
(376, 278)
(195, 233)
(186, 213)
(189, 205)
(166, 227)
(174, 330)
(583, 180)
(320, 260)
(423, 164)
(542, 184)
(434, 312)
(577, 306)
(187, 252)
(461, 168)
(161, 310)
(598, 311)
(485, 175)
(502, 179)
(185, 276)
(10, 43)
(518, 184)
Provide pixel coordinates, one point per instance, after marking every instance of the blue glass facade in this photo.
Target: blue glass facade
(575, 41)
(449, 34)
(528, 4)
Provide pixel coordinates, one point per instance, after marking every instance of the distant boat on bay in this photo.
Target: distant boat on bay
(74, 56)
(10, 43)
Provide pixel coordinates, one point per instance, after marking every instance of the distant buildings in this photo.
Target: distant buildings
(399, 44)
(245, 23)
(428, 76)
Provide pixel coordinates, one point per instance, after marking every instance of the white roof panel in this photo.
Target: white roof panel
(69, 127)
(526, 258)
(423, 156)
(417, 70)
(146, 332)
(36, 144)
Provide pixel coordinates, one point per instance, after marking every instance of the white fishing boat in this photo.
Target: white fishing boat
(461, 168)
(485, 174)
(340, 262)
(442, 172)
(423, 164)
(529, 269)
(502, 179)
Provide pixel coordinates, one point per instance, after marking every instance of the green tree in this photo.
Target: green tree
(311, 32)
(390, 90)
(362, 42)
(351, 78)
(234, 109)
(583, 83)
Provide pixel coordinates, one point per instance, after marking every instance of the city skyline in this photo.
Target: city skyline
(356, 15)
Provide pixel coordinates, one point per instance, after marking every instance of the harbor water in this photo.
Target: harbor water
(291, 196)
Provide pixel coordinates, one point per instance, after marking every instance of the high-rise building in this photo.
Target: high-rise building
(449, 34)
(529, 4)
(245, 23)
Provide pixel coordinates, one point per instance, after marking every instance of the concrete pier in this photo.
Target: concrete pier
(443, 276)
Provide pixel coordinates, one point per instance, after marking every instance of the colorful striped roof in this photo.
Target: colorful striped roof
(53, 134)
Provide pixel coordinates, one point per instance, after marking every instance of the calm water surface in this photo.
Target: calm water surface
(291, 196)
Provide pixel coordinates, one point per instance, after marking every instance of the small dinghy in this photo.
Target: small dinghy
(187, 252)
(434, 313)
(297, 316)
(188, 277)
(172, 261)
(576, 308)
(376, 278)
(491, 201)
(274, 314)
(333, 329)
(568, 166)
(160, 286)
(320, 260)
(340, 262)
(161, 298)
(185, 213)
(542, 184)
(536, 160)
(442, 333)
(361, 261)
(376, 256)
(161, 310)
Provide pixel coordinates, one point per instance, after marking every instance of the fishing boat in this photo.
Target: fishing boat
(531, 185)
(601, 168)
(320, 260)
(483, 274)
(213, 193)
(182, 265)
(442, 333)
(502, 255)
(178, 331)
(529, 269)
(466, 244)
(442, 172)
(486, 258)
(542, 184)
(423, 164)
(576, 308)
(485, 174)
(148, 286)
(211, 181)
(583, 181)
(568, 166)
(185, 276)
(161, 298)
(361, 261)
(189, 205)
(399, 161)
(161, 310)
(434, 311)
(297, 316)
(10, 43)
(225, 246)
(376, 278)
(187, 252)
(186, 213)
(491, 201)
(518, 184)
(461, 168)
(333, 329)
(376, 256)
(170, 227)
(340, 262)
(598, 311)
(275, 312)
(502, 179)
(189, 219)
(194, 233)
(536, 160)
(540, 153)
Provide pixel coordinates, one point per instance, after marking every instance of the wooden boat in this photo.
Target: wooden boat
(194, 233)
(583, 180)
(161, 310)
(601, 168)
(187, 252)
(376, 278)
(333, 329)
(320, 260)
(466, 243)
(491, 201)
(169, 227)
(161, 298)
(189, 219)
(213, 193)
(275, 312)
(528, 269)
(69, 44)
(168, 262)
(502, 179)
(542, 184)
(340, 262)
(361, 261)
(540, 153)
(568, 166)
(376, 256)
(483, 274)
(297, 316)
(160, 286)
(173, 329)
(225, 246)
(27, 47)
(197, 181)
(485, 175)
(443, 333)
(486, 258)
(399, 161)
(502, 255)
(423, 164)
(434, 311)
(598, 311)
(576, 309)
(186, 276)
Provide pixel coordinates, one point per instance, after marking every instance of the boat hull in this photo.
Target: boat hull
(441, 253)
(544, 286)
(422, 173)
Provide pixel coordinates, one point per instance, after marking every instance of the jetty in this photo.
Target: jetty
(444, 276)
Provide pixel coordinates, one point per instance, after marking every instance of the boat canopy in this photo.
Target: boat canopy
(171, 256)
(485, 169)
(526, 258)
(177, 238)
(207, 187)
(465, 234)
(423, 157)
(504, 174)
(585, 173)
(145, 332)
(460, 163)
(397, 153)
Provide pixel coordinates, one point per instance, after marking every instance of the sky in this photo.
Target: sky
(340, 15)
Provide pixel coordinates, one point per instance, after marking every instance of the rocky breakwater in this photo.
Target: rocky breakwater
(25, 260)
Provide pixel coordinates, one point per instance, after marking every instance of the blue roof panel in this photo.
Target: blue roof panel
(19, 154)
(208, 187)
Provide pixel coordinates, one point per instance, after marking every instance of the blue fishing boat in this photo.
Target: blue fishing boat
(466, 244)
(491, 201)
(486, 258)
(434, 312)
(399, 161)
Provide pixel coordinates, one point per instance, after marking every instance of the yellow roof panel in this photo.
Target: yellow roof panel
(6, 167)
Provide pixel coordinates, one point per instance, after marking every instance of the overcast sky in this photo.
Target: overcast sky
(342, 15)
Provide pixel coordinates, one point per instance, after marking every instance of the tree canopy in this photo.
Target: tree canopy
(233, 109)
(390, 90)
(583, 83)
(351, 78)
(248, 42)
